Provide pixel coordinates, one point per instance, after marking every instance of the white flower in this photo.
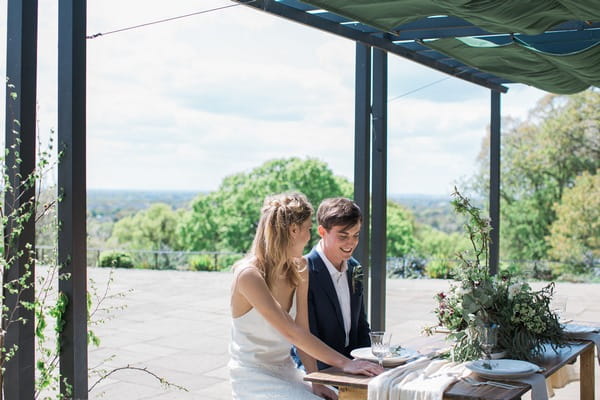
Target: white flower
(357, 276)
(514, 289)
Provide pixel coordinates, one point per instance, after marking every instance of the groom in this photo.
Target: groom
(336, 309)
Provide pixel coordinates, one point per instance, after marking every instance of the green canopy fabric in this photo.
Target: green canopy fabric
(497, 16)
(556, 73)
(558, 67)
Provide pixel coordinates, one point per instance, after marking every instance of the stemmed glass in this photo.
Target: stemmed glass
(488, 338)
(559, 306)
(380, 344)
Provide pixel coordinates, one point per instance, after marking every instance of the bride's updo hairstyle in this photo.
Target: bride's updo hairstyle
(272, 239)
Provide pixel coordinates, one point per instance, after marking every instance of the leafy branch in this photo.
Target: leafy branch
(165, 383)
(478, 228)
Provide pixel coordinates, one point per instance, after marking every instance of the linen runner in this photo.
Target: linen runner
(426, 379)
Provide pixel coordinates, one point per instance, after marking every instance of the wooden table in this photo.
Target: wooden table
(354, 387)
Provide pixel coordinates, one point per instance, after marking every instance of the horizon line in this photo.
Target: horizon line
(209, 191)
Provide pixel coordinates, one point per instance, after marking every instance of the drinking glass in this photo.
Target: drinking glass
(488, 338)
(558, 304)
(380, 344)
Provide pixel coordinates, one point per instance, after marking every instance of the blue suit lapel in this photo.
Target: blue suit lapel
(325, 284)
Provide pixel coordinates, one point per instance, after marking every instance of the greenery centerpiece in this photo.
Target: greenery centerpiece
(476, 298)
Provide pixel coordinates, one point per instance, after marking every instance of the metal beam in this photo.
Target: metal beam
(494, 181)
(379, 202)
(19, 197)
(72, 187)
(362, 157)
(373, 40)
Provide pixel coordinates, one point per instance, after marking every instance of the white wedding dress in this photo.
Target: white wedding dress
(261, 367)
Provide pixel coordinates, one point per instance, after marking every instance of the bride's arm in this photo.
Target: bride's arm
(253, 287)
(310, 364)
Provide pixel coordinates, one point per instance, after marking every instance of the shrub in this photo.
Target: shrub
(438, 268)
(227, 260)
(115, 259)
(202, 262)
(213, 262)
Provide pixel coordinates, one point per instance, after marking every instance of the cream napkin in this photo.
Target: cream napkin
(422, 379)
(574, 331)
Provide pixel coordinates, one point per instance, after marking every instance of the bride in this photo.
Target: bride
(270, 313)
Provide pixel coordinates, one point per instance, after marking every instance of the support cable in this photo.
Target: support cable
(95, 35)
(419, 88)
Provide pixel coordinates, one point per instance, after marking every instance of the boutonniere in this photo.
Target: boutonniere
(357, 276)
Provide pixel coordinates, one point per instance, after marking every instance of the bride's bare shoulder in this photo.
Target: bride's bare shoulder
(246, 269)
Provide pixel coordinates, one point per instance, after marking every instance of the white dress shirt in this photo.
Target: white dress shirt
(342, 288)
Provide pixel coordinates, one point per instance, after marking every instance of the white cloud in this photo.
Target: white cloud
(181, 104)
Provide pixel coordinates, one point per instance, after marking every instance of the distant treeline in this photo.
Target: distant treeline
(115, 204)
(112, 205)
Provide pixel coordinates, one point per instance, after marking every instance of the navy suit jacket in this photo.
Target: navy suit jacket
(324, 312)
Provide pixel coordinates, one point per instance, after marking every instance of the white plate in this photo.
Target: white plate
(503, 369)
(575, 329)
(391, 360)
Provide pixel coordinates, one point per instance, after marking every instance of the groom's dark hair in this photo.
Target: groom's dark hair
(338, 211)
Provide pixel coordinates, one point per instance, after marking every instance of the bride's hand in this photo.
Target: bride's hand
(324, 392)
(362, 367)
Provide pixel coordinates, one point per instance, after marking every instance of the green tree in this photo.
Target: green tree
(440, 249)
(150, 229)
(227, 218)
(435, 243)
(541, 157)
(400, 227)
(575, 234)
(199, 228)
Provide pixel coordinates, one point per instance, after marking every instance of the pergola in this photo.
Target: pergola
(552, 45)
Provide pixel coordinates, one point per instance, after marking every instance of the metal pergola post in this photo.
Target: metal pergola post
(494, 204)
(72, 187)
(362, 156)
(21, 68)
(379, 200)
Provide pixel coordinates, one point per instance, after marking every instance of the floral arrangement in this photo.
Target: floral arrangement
(476, 298)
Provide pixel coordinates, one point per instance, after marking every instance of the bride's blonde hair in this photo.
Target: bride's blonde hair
(272, 239)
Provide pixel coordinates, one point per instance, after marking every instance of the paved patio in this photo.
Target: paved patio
(176, 324)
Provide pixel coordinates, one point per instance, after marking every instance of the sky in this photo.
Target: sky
(182, 104)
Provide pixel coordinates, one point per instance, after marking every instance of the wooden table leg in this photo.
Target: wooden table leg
(586, 372)
(352, 393)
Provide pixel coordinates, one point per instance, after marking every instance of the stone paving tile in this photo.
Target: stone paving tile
(178, 395)
(220, 391)
(118, 357)
(196, 362)
(222, 373)
(123, 390)
(177, 324)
